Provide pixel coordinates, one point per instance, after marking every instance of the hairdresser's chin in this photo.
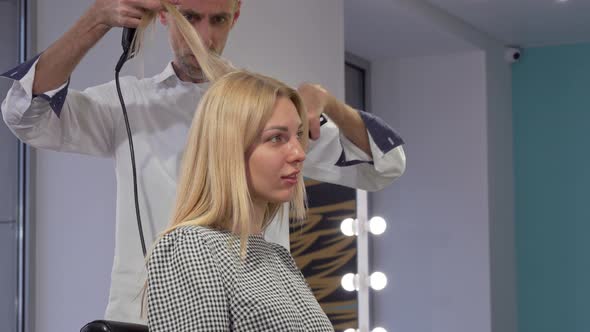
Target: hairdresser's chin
(187, 69)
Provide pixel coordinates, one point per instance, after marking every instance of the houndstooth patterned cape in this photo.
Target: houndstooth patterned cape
(196, 282)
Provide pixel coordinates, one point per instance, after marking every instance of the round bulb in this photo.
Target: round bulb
(347, 227)
(378, 280)
(350, 330)
(348, 282)
(379, 329)
(377, 225)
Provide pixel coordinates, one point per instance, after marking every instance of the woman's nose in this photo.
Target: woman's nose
(296, 151)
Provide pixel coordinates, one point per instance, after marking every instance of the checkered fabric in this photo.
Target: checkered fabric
(197, 282)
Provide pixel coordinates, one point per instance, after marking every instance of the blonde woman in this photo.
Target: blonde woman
(351, 148)
(213, 270)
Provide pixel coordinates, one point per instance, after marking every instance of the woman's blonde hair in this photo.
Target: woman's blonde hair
(213, 188)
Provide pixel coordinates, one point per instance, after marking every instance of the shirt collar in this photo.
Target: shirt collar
(168, 73)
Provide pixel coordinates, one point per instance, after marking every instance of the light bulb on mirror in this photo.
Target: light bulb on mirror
(378, 329)
(350, 330)
(377, 225)
(348, 282)
(378, 280)
(348, 227)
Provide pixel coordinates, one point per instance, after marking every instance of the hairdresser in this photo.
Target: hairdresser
(352, 148)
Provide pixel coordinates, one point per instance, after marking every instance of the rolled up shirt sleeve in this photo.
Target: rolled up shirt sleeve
(334, 159)
(22, 87)
(61, 119)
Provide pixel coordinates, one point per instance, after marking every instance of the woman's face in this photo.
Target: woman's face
(275, 161)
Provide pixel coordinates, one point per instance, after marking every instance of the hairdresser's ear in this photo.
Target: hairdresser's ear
(237, 13)
(163, 17)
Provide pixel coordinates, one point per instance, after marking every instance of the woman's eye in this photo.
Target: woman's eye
(300, 134)
(275, 139)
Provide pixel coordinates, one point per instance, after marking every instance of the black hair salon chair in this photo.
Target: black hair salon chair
(111, 326)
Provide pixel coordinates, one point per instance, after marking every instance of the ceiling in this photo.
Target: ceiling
(376, 29)
(386, 28)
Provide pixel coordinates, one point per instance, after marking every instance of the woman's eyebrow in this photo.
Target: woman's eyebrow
(281, 128)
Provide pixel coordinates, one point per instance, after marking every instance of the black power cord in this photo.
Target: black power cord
(126, 41)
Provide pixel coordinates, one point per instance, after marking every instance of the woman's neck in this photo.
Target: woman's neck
(258, 209)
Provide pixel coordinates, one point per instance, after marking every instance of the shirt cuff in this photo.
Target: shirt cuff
(25, 75)
(382, 139)
(17, 73)
(56, 97)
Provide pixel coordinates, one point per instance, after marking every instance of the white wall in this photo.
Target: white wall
(74, 211)
(436, 248)
(458, 272)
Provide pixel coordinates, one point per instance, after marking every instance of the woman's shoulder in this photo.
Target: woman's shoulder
(189, 240)
(194, 232)
(185, 255)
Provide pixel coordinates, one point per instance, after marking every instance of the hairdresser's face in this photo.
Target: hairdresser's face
(213, 20)
(275, 161)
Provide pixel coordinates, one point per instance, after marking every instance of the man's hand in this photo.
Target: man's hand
(57, 62)
(125, 13)
(316, 99)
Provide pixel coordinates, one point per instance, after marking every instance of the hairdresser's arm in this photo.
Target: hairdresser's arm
(42, 111)
(317, 101)
(57, 63)
(351, 147)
